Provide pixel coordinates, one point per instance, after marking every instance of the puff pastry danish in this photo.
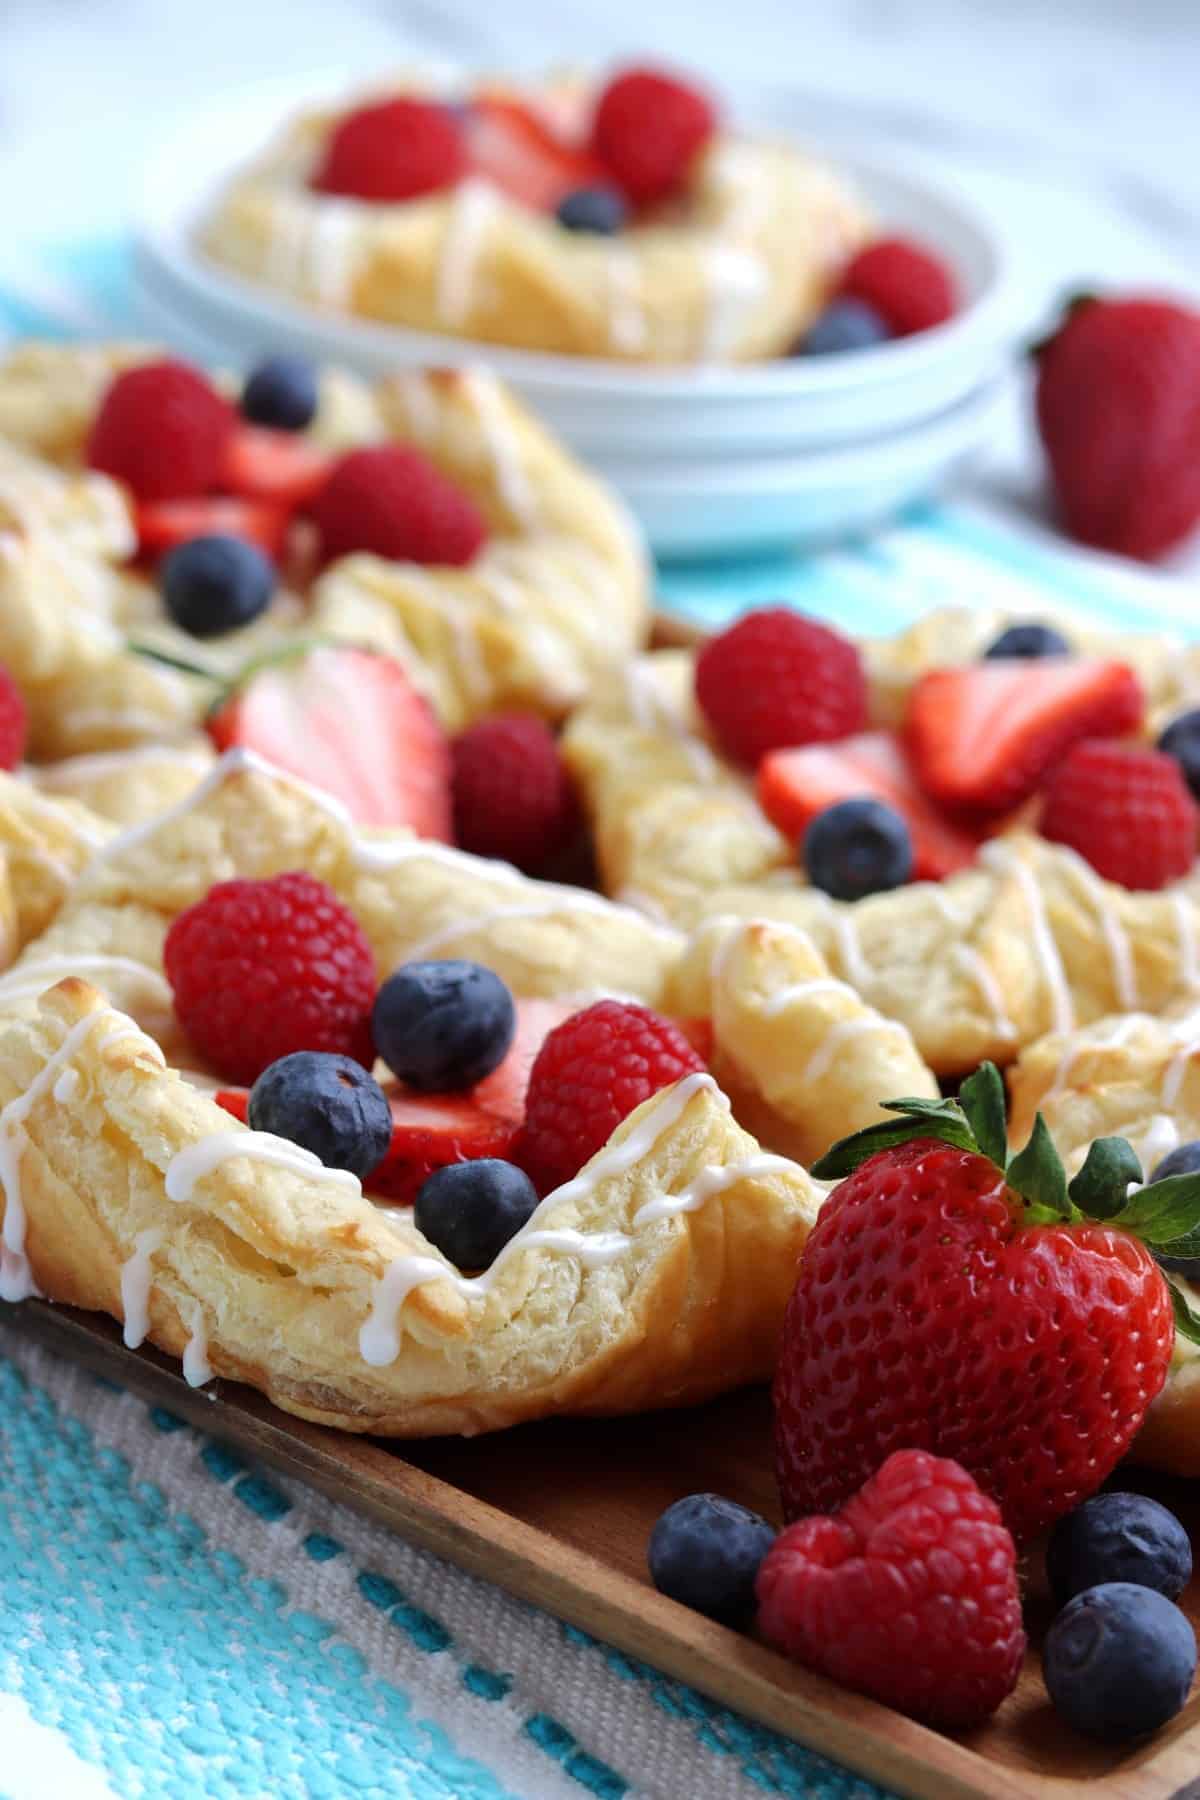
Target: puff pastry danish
(1027, 940)
(556, 598)
(735, 267)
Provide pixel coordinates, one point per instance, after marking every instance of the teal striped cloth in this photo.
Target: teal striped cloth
(177, 1626)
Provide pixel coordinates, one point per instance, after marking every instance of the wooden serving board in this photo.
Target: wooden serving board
(559, 1514)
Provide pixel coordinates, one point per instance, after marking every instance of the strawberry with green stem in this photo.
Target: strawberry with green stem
(957, 1298)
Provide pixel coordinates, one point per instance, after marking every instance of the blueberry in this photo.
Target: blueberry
(471, 1209)
(1118, 1537)
(597, 209)
(1181, 740)
(844, 325)
(440, 1026)
(1118, 1661)
(212, 585)
(282, 392)
(705, 1552)
(857, 847)
(328, 1104)
(1183, 1160)
(1028, 641)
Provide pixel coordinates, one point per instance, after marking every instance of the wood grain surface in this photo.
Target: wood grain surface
(559, 1514)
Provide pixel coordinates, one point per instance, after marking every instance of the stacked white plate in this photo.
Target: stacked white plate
(713, 460)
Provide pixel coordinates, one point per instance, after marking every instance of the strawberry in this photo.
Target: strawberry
(431, 1130)
(955, 1299)
(162, 525)
(795, 785)
(518, 151)
(350, 722)
(984, 736)
(1118, 408)
(284, 467)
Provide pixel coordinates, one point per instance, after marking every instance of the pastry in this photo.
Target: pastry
(1019, 937)
(484, 215)
(658, 1276)
(554, 597)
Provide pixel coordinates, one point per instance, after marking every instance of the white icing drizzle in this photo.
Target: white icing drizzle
(379, 1338)
(822, 1057)
(1176, 1069)
(652, 712)
(197, 1370)
(417, 399)
(135, 1286)
(796, 991)
(1159, 1138)
(445, 604)
(1185, 925)
(716, 1179)
(737, 280)
(197, 1161)
(471, 212)
(858, 970)
(16, 1276)
(626, 313)
(81, 827)
(1005, 861)
(288, 242)
(977, 970)
(1105, 1037)
(516, 489)
(67, 1086)
(532, 909)
(35, 976)
(104, 763)
(1120, 950)
(332, 229)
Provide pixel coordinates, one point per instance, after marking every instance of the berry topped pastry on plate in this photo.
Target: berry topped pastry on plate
(623, 218)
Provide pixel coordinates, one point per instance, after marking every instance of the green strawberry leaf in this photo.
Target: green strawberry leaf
(924, 1109)
(1165, 1212)
(1101, 1188)
(1187, 1325)
(846, 1155)
(981, 1097)
(1039, 1177)
(152, 653)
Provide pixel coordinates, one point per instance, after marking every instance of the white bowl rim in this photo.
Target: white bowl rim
(165, 242)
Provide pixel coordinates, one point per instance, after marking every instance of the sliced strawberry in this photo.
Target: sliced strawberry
(795, 785)
(164, 524)
(520, 153)
(282, 466)
(349, 722)
(985, 736)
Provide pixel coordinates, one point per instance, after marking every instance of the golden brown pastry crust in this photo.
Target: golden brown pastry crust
(556, 599)
(974, 966)
(133, 1194)
(738, 272)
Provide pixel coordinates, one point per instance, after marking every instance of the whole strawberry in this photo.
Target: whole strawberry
(1118, 408)
(957, 1300)
(908, 1594)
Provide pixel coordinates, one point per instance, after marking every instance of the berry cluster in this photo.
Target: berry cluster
(274, 982)
(970, 1347)
(872, 810)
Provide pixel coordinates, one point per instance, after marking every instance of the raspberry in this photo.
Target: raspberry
(1127, 812)
(909, 289)
(513, 797)
(13, 721)
(648, 131)
(1118, 409)
(163, 430)
(908, 1594)
(394, 150)
(591, 1072)
(776, 679)
(392, 502)
(262, 968)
